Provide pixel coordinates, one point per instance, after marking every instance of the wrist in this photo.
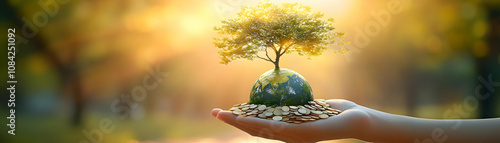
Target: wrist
(359, 124)
(380, 127)
(369, 130)
(390, 128)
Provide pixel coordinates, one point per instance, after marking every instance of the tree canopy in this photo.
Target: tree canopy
(284, 28)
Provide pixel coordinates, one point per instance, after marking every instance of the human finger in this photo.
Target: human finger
(215, 111)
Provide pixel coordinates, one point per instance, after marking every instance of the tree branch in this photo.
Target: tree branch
(281, 48)
(265, 59)
(274, 48)
(284, 51)
(267, 55)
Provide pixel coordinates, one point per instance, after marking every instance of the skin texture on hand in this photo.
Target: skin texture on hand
(369, 125)
(351, 123)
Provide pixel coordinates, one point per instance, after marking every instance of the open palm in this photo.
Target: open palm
(353, 120)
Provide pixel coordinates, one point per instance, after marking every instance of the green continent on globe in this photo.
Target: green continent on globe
(281, 87)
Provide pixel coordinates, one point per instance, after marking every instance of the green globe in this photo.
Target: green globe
(280, 87)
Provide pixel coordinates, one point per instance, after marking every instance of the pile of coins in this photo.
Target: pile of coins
(317, 109)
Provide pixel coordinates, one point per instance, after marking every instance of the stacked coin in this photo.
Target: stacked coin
(317, 109)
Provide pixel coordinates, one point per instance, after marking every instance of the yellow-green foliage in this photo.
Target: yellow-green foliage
(284, 28)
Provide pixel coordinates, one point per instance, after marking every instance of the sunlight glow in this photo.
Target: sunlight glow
(191, 25)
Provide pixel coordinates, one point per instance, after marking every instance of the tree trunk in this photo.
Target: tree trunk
(277, 62)
(78, 100)
(64, 70)
(488, 65)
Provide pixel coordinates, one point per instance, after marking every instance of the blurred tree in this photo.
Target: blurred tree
(488, 64)
(284, 28)
(69, 72)
(87, 42)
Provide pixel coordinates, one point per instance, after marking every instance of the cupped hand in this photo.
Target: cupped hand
(353, 122)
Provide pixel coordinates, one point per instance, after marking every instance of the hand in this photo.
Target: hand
(353, 122)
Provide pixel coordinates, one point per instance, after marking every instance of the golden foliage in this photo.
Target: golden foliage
(284, 28)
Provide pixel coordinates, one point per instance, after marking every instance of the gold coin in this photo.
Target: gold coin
(285, 108)
(253, 106)
(285, 113)
(323, 116)
(237, 112)
(277, 118)
(316, 112)
(302, 111)
(297, 113)
(262, 116)
(261, 107)
(277, 112)
(270, 110)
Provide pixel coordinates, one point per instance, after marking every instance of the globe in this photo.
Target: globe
(280, 87)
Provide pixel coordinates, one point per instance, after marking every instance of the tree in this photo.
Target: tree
(284, 28)
(82, 72)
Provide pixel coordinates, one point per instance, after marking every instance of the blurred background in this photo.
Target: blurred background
(79, 62)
